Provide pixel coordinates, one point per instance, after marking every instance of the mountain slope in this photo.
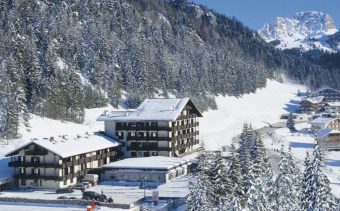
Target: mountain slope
(60, 57)
(306, 30)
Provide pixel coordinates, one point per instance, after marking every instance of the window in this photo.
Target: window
(133, 134)
(40, 182)
(133, 154)
(133, 124)
(21, 171)
(113, 177)
(35, 183)
(155, 154)
(140, 154)
(154, 124)
(154, 134)
(23, 182)
(146, 154)
(35, 159)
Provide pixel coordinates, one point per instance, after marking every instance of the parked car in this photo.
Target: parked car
(80, 186)
(91, 195)
(86, 184)
(64, 190)
(63, 197)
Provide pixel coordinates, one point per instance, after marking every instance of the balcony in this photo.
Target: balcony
(37, 176)
(148, 148)
(148, 138)
(186, 126)
(36, 152)
(31, 164)
(187, 135)
(146, 128)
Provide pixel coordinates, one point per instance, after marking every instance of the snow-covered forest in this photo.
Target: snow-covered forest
(247, 180)
(60, 57)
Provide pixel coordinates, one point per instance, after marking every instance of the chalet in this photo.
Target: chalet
(158, 127)
(323, 123)
(330, 95)
(58, 162)
(329, 139)
(333, 108)
(157, 169)
(313, 104)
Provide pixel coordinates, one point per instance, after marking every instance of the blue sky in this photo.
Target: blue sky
(254, 13)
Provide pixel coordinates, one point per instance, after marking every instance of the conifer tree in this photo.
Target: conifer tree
(291, 122)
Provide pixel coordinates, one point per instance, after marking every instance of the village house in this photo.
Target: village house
(333, 108)
(329, 139)
(158, 127)
(61, 161)
(156, 169)
(312, 104)
(330, 95)
(323, 123)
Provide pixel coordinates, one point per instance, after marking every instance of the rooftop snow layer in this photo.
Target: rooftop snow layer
(321, 121)
(154, 162)
(150, 109)
(65, 146)
(325, 132)
(315, 99)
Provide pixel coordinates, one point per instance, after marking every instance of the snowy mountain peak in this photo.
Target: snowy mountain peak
(305, 30)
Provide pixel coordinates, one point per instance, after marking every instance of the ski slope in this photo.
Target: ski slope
(218, 127)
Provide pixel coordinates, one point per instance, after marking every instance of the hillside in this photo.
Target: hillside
(60, 57)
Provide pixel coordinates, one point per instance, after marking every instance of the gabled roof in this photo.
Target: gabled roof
(322, 121)
(152, 110)
(325, 132)
(154, 162)
(65, 146)
(314, 99)
(324, 88)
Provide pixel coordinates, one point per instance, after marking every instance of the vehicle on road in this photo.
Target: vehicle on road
(64, 190)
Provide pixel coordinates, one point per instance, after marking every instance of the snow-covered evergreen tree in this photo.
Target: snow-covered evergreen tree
(286, 186)
(317, 195)
(291, 122)
(199, 194)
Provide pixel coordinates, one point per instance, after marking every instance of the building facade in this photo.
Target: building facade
(333, 108)
(330, 95)
(60, 162)
(314, 104)
(157, 169)
(325, 123)
(329, 139)
(158, 127)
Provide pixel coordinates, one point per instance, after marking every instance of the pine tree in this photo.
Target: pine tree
(291, 122)
(237, 188)
(317, 195)
(287, 184)
(198, 198)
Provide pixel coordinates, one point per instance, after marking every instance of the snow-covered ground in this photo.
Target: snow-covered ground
(124, 194)
(301, 142)
(218, 127)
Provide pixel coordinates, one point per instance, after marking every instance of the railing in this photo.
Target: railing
(145, 148)
(146, 138)
(187, 135)
(36, 152)
(37, 176)
(33, 164)
(182, 117)
(147, 128)
(186, 126)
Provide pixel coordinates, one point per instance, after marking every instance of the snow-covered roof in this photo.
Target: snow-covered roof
(325, 132)
(65, 146)
(151, 109)
(323, 88)
(154, 162)
(321, 121)
(333, 104)
(314, 99)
